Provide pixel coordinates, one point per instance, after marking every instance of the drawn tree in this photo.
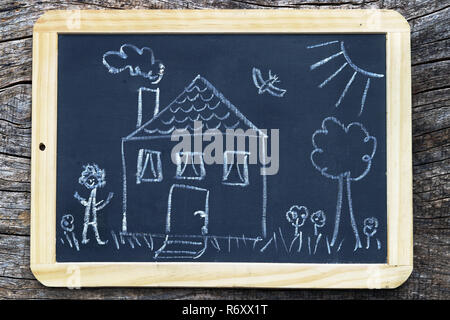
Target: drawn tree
(343, 153)
(138, 62)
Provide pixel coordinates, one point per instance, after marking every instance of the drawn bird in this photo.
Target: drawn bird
(267, 85)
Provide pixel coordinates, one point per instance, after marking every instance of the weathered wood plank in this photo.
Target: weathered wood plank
(417, 8)
(15, 104)
(433, 154)
(431, 147)
(18, 16)
(14, 173)
(430, 28)
(430, 98)
(429, 141)
(15, 64)
(430, 76)
(14, 213)
(431, 268)
(430, 52)
(15, 120)
(14, 257)
(431, 120)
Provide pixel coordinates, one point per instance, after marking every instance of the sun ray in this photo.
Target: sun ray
(366, 75)
(346, 88)
(333, 75)
(321, 62)
(322, 44)
(363, 100)
(356, 68)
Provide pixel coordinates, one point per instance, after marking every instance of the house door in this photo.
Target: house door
(187, 210)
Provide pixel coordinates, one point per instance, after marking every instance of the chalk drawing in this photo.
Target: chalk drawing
(297, 216)
(149, 167)
(364, 74)
(67, 224)
(187, 187)
(370, 229)
(318, 219)
(144, 67)
(139, 62)
(326, 157)
(235, 162)
(92, 177)
(193, 161)
(267, 85)
(141, 94)
(200, 101)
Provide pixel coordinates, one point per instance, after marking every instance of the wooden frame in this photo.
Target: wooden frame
(288, 275)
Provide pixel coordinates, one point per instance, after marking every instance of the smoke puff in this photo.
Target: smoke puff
(342, 150)
(139, 62)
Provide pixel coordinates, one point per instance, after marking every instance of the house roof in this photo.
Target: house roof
(199, 101)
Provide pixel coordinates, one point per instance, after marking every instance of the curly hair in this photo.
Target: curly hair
(92, 170)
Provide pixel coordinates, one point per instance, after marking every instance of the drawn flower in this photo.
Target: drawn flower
(92, 177)
(297, 216)
(67, 222)
(370, 226)
(67, 225)
(318, 219)
(369, 229)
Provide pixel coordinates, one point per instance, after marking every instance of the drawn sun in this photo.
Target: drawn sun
(367, 75)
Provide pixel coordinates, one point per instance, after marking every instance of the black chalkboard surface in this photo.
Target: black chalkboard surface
(313, 190)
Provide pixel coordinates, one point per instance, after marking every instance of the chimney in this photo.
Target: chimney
(148, 105)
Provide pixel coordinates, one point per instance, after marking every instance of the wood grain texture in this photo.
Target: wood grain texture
(399, 150)
(431, 145)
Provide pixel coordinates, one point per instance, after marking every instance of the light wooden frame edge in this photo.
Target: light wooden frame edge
(399, 150)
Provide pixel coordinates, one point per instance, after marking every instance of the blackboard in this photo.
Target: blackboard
(120, 97)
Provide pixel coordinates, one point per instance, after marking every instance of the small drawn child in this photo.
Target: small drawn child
(92, 178)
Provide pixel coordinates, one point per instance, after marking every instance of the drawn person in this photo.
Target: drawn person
(297, 216)
(67, 225)
(92, 178)
(369, 229)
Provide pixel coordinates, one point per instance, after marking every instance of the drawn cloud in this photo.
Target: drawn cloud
(342, 150)
(139, 62)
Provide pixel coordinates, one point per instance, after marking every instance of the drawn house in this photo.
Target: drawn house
(191, 197)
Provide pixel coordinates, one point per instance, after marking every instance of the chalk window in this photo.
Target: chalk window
(149, 167)
(235, 168)
(190, 166)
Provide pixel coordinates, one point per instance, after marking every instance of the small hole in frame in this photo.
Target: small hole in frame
(41, 146)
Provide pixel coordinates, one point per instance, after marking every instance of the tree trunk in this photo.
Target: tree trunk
(337, 220)
(350, 210)
(345, 177)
